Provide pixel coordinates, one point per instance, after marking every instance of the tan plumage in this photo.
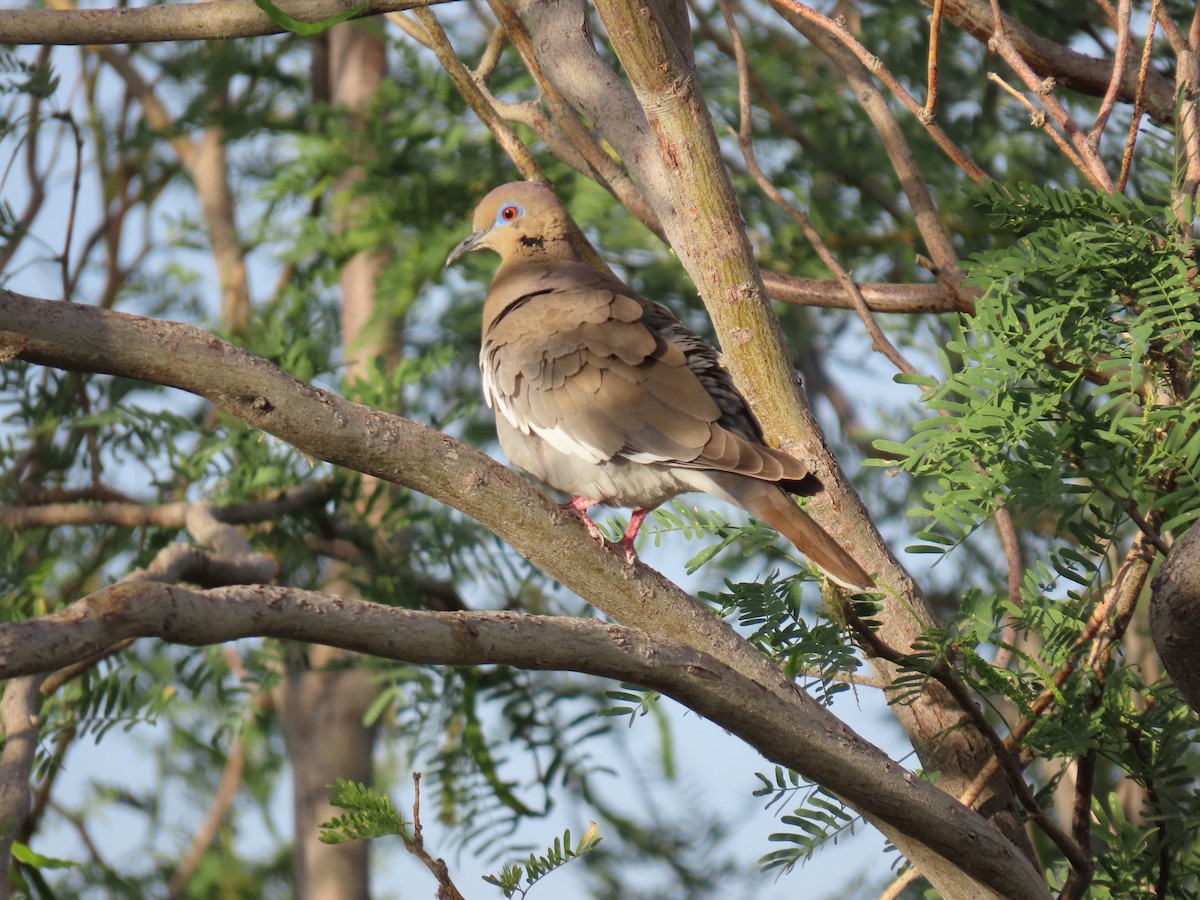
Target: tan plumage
(606, 396)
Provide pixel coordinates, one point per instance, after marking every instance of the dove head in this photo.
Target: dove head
(516, 220)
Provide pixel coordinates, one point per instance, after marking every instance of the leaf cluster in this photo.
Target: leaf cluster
(1071, 396)
(535, 868)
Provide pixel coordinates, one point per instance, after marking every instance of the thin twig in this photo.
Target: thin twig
(898, 887)
(475, 98)
(491, 55)
(1121, 55)
(414, 30)
(1135, 118)
(415, 844)
(227, 790)
(35, 181)
(65, 258)
(1089, 162)
(895, 143)
(783, 124)
(931, 92)
(879, 70)
(879, 341)
(1016, 567)
(1038, 119)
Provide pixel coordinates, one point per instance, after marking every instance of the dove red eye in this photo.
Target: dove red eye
(509, 213)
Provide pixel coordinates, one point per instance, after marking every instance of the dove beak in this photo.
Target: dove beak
(473, 241)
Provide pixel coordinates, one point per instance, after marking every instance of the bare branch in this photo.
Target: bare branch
(1068, 67)
(227, 789)
(879, 340)
(1135, 120)
(206, 21)
(1086, 159)
(465, 82)
(929, 110)
(873, 65)
(886, 298)
(416, 846)
(1124, 11)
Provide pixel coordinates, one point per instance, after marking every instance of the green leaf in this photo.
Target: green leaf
(23, 854)
(306, 29)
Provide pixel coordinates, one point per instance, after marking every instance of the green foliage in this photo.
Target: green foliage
(18, 76)
(107, 698)
(22, 854)
(368, 815)
(1068, 396)
(821, 819)
(535, 868)
(773, 617)
(1069, 399)
(549, 727)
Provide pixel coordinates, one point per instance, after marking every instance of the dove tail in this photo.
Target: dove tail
(778, 510)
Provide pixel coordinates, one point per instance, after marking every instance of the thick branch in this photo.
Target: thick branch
(783, 731)
(324, 426)
(216, 20)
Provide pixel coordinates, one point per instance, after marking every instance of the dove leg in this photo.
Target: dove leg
(631, 531)
(579, 506)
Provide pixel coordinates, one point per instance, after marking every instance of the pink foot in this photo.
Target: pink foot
(631, 533)
(578, 507)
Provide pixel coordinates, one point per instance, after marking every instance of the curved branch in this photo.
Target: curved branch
(782, 730)
(325, 426)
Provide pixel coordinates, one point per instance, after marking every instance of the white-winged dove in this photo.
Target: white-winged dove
(609, 398)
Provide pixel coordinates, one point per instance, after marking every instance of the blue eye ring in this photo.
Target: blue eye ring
(509, 212)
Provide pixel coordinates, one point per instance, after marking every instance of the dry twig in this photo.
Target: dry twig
(879, 340)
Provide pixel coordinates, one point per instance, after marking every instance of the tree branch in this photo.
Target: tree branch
(130, 514)
(784, 731)
(216, 20)
(18, 716)
(1069, 68)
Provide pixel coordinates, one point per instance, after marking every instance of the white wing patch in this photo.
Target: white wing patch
(558, 438)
